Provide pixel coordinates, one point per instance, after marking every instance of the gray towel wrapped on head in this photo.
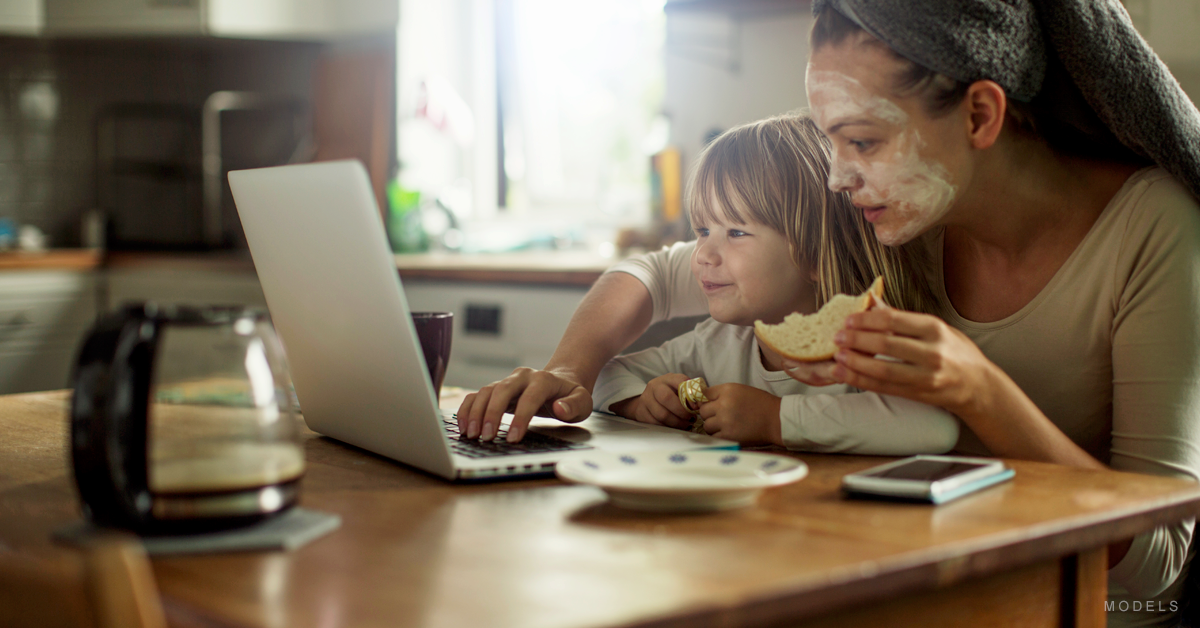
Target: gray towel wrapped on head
(1013, 42)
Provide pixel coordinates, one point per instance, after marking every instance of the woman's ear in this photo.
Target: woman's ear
(986, 105)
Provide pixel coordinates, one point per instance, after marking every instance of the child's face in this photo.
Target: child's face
(747, 273)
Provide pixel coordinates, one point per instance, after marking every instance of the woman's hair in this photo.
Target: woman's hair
(1058, 114)
(774, 172)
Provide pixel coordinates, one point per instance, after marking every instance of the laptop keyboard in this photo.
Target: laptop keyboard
(533, 443)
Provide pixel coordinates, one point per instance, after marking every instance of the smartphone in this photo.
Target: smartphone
(928, 479)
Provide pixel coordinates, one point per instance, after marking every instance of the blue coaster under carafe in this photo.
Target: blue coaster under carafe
(288, 531)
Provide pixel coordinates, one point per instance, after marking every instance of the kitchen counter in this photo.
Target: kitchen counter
(577, 268)
(230, 261)
(53, 259)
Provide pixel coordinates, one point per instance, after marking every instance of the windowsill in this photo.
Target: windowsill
(532, 232)
(574, 267)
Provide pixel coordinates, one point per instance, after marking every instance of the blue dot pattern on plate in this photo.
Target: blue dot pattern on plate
(678, 458)
(729, 459)
(770, 464)
(590, 464)
(628, 459)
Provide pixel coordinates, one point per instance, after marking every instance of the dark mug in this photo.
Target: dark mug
(434, 330)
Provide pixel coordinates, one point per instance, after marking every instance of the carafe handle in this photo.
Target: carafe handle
(111, 381)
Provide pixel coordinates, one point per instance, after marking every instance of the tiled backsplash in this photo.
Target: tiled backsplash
(51, 91)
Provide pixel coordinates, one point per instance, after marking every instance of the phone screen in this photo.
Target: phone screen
(927, 470)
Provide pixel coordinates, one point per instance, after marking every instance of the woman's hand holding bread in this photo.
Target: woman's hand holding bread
(927, 360)
(939, 365)
(933, 362)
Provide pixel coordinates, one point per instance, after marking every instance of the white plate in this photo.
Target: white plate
(681, 481)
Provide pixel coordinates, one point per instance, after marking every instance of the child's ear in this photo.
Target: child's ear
(813, 275)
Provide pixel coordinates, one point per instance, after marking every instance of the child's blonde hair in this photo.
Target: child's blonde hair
(774, 172)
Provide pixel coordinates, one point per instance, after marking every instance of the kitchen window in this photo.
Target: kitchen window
(531, 119)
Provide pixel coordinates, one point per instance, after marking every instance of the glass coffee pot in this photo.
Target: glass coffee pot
(183, 420)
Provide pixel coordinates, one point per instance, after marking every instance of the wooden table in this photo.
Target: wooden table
(414, 550)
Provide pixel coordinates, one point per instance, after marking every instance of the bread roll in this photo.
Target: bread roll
(810, 338)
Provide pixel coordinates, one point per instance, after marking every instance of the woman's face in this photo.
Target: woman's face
(747, 273)
(893, 158)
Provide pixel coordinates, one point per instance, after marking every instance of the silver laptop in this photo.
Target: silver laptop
(337, 303)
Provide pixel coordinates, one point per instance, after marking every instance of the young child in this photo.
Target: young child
(771, 240)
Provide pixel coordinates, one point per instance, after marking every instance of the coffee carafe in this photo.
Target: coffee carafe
(183, 420)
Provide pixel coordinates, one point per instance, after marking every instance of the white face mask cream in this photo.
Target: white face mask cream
(903, 193)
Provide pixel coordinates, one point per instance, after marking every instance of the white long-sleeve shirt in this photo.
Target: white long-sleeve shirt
(1109, 351)
(825, 419)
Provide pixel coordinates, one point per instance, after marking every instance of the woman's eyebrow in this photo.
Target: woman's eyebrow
(851, 122)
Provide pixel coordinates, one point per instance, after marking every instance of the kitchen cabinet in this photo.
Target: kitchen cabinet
(247, 19)
(44, 316)
(20, 17)
(191, 286)
(497, 327)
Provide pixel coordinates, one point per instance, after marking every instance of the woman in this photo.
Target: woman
(1067, 283)
(1067, 274)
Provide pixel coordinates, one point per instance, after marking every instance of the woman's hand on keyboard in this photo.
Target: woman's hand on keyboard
(526, 393)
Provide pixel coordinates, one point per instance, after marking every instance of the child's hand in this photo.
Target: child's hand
(658, 404)
(811, 373)
(742, 413)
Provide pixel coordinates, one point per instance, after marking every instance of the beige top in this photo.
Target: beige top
(1109, 351)
(667, 274)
